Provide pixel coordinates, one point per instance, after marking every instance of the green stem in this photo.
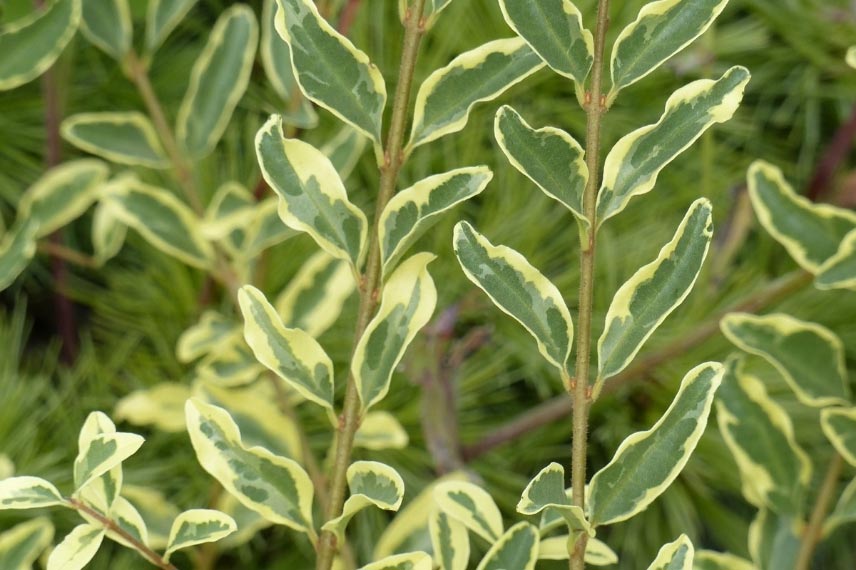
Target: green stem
(595, 108)
(812, 533)
(370, 289)
(111, 525)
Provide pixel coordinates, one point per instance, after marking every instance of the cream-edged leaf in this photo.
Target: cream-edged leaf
(164, 221)
(850, 56)
(125, 137)
(472, 506)
(710, 560)
(266, 230)
(634, 163)
(313, 299)
(661, 30)
(312, 196)
(22, 544)
(7, 467)
(371, 484)
(162, 16)
(231, 364)
(556, 548)
(406, 305)
(276, 55)
(449, 540)
(198, 526)
(519, 290)
(774, 470)
(157, 512)
(231, 210)
(406, 561)
(644, 301)
(545, 492)
(102, 491)
(811, 233)
(17, 248)
(211, 330)
(161, 406)
(677, 555)
(292, 354)
(380, 430)
(129, 519)
(107, 25)
(839, 426)
(447, 96)
(554, 30)
(517, 548)
(62, 194)
(839, 271)
(656, 456)
(774, 541)
(27, 492)
(102, 453)
(809, 357)
(330, 70)
(844, 511)
(77, 549)
(413, 210)
(344, 149)
(108, 231)
(31, 45)
(548, 156)
(217, 81)
(275, 487)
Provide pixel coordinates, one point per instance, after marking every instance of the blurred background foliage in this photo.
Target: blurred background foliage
(129, 314)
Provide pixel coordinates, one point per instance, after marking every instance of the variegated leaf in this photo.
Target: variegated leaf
(129, 519)
(636, 160)
(545, 492)
(62, 194)
(519, 290)
(198, 526)
(556, 548)
(850, 57)
(407, 303)
(249, 522)
(449, 540)
(653, 292)
(22, 544)
(413, 210)
(210, 331)
(275, 487)
(517, 548)
(811, 233)
(231, 210)
(554, 30)
(446, 97)
(217, 81)
(845, 510)
(839, 271)
(313, 299)
(162, 16)
(28, 493)
(102, 453)
(380, 430)
(231, 364)
(107, 25)
(292, 354)
(157, 513)
(164, 221)
(266, 230)
(677, 555)
(77, 549)
(710, 560)
(406, 561)
(371, 484)
(774, 470)
(276, 55)
(17, 249)
(344, 150)
(839, 426)
(548, 156)
(774, 541)
(655, 457)
(160, 406)
(31, 45)
(330, 70)
(472, 506)
(809, 357)
(108, 231)
(126, 137)
(312, 196)
(7, 468)
(661, 30)
(102, 491)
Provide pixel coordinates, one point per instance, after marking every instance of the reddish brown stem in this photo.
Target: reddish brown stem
(835, 153)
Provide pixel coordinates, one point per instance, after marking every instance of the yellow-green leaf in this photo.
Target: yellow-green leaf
(275, 487)
(447, 96)
(548, 156)
(62, 194)
(330, 70)
(406, 561)
(710, 560)
(380, 430)
(636, 160)
(292, 354)
(408, 300)
(844, 511)
(677, 555)
(107, 24)
(77, 549)
(217, 81)
(850, 57)
(198, 526)
(199, 339)
(413, 210)
(656, 456)
(162, 16)
(519, 290)
(449, 540)
(164, 221)
(839, 425)
(7, 468)
(653, 292)
(108, 231)
(554, 30)
(774, 470)
(371, 484)
(661, 30)
(546, 492)
(517, 548)
(472, 506)
(839, 271)
(16, 250)
(809, 357)
(811, 233)
(28, 493)
(161, 406)
(126, 137)
(31, 45)
(22, 544)
(312, 196)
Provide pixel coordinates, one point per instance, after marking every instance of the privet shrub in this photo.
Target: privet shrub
(256, 365)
